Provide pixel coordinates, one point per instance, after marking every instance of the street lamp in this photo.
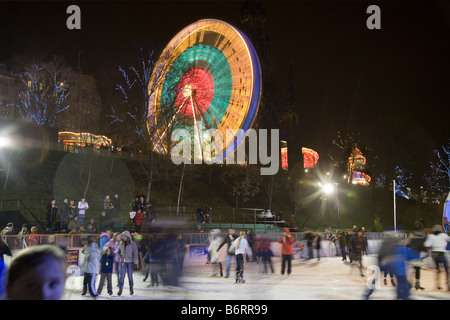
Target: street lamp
(328, 189)
(4, 142)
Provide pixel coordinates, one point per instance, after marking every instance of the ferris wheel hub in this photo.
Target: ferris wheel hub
(187, 91)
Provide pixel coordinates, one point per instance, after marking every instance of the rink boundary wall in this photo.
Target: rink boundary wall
(196, 247)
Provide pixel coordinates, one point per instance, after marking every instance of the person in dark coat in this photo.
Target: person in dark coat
(416, 247)
(343, 245)
(4, 250)
(52, 213)
(116, 204)
(180, 253)
(106, 270)
(64, 215)
(309, 241)
(318, 240)
(357, 243)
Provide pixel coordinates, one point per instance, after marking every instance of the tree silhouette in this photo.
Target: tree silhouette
(45, 89)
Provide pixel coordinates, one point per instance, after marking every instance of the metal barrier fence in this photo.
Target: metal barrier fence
(35, 211)
(17, 242)
(218, 215)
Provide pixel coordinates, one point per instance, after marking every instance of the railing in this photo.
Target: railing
(35, 211)
(221, 217)
(18, 242)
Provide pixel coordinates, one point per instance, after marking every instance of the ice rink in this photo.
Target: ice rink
(326, 279)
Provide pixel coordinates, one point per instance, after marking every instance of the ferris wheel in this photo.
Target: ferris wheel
(207, 77)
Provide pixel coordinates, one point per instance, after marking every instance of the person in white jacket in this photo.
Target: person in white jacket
(91, 266)
(82, 207)
(438, 241)
(213, 250)
(241, 247)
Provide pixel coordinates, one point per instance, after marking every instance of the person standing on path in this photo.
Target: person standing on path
(82, 207)
(64, 215)
(52, 213)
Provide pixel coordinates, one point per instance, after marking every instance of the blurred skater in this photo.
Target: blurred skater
(241, 247)
(417, 250)
(230, 257)
(91, 266)
(357, 244)
(213, 251)
(438, 241)
(265, 252)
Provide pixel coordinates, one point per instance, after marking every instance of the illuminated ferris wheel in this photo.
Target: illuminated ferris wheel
(210, 78)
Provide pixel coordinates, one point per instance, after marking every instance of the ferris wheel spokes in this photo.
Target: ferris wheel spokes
(169, 125)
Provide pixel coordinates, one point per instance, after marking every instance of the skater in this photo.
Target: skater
(180, 248)
(106, 270)
(240, 247)
(417, 250)
(128, 254)
(287, 241)
(317, 241)
(154, 260)
(265, 252)
(356, 242)
(91, 266)
(309, 240)
(343, 245)
(114, 245)
(213, 251)
(231, 236)
(438, 241)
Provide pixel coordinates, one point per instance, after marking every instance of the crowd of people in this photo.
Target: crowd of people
(39, 272)
(70, 217)
(395, 254)
(160, 257)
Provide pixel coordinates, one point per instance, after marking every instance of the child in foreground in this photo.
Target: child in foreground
(37, 273)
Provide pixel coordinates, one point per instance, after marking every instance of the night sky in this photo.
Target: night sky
(348, 78)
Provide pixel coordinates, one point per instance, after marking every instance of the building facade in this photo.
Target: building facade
(84, 114)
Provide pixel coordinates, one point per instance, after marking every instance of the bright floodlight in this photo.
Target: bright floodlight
(4, 142)
(328, 188)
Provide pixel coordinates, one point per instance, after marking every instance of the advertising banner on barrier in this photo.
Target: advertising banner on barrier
(72, 256)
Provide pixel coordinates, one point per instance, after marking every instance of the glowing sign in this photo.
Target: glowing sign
(310, 158)
(83, 139)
